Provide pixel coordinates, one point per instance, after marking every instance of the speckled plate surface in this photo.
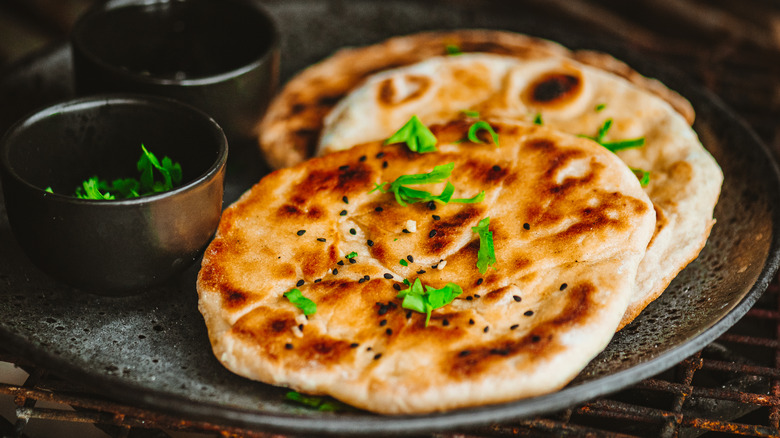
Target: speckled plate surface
(152, 350)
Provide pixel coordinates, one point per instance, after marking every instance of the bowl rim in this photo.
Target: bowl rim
(78, 44)
(127, 99)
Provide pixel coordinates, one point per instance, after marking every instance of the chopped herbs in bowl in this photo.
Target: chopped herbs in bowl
(114, 194)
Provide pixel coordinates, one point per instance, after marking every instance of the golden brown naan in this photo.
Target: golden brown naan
(570, 225)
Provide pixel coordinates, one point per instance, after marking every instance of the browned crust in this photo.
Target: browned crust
(289, 132)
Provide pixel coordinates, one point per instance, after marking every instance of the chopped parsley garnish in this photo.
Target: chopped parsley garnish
(642, 175)
(351, 255)
(479, 126)
(315, 402)
(403, 262)
(453, 50)
(486, 256)
(538, 119)
(427, 300)
(405, 195)
(156, 176)
(615, 146)
(306, 305)
(470, 113)
(600, 107)
(416, 135)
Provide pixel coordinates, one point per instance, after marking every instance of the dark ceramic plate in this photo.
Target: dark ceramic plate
(151, 350)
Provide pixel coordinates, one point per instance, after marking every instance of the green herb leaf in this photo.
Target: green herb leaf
(403, 262)
(418, 137)
(428, 300)
(538, 119)
(48, 189)
(482, 125)
(320, 403)
(453, 50)
(470, 113)
(600, 107)
(614, 146)
(306, 305)
(405, 195)
(486, 256)
(351, 255)
(90, 189)
(642, 175)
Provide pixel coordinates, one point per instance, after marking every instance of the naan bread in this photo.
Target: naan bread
(289, 131)
(569, 96)
(570, 224)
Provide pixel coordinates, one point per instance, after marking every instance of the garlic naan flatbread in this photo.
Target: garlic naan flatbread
(568, 96)
(570, 224)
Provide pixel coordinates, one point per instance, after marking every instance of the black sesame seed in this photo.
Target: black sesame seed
(352, 231)
(517, 298)
(564, 286)
(370, 242)
(514, 326)
(486, 329)
(335, 271)
(384, 164)
(471, 322)
(389, 276)
(318, 280)
(421, 271)
(499, 351)
(352, 261)
(288, 346)
(535, 338)
(301, 232)
(362, 280)
(299, 283)
(464, 353)
(382, 310)
(496, 168)
(528, 313)
(527, 226)
(436, 217)
(431, 205)
(354, 345)
(369, 349)
(362, 158)
(340, 263)
(469, 298)
(480, 281)
(389, 331)
(432, 233)
(380, 155)
(392, 305)
(343, 213)
(397, 287)
(300, 327)
(382, 323)
(436, 266)
(477, 296)
(345, 167)
(378, 209)
(377, 356)
(410, 258)
(445, 322)
(366, 278)
(345, 199)
(321, 239)
(406, 231)
(408, 314)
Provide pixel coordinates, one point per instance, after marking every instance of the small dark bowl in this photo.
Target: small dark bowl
(221, 56)
(116, 247)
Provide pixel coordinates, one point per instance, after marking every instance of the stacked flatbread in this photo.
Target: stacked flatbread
(577, 240)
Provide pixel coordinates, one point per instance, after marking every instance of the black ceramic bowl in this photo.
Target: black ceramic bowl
(113, 247)
(221, 56)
